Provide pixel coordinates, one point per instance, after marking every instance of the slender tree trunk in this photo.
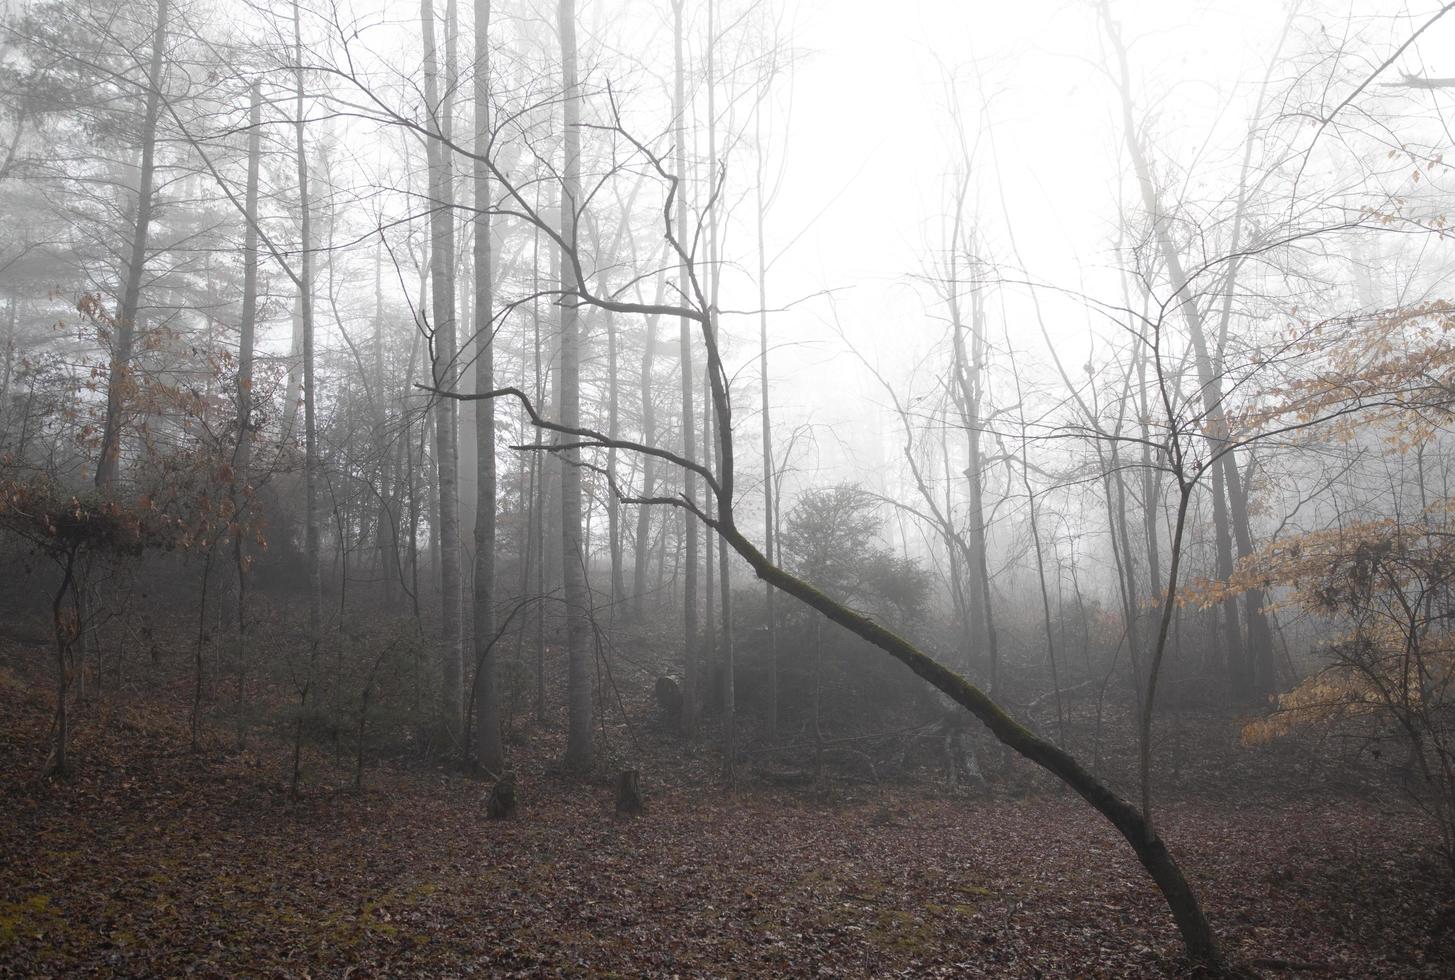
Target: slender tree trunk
(489, 754)
(1114, 490)
(540, 497)
(710, 657)
(445, 373)
(65, 633)
(714, 244)
(690, 681)
(1169, 603)
(642, 547)
(386, 524)
(554, 546)
(959, 593)
(573, 554)
(768, 507)
(247, 329)
(119, 377)
(305, 298)
(969, 372)
(613, 429)
(1151, 486)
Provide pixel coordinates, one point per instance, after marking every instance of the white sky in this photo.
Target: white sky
(872, 143)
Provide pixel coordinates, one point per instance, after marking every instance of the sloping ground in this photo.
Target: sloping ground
(155, 861)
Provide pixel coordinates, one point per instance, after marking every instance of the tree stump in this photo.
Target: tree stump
(629, 801)
(502, 802)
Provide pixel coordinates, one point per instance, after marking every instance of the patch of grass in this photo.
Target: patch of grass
(29, 918)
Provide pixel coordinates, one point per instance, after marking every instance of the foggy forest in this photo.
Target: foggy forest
(727, 488)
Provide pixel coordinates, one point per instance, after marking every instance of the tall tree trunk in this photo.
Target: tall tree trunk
(489, 754)
(247, 328)
(305, 299)
(969, 366)
(119, 376)
(541, 496)
(445, 373)
(768, 539)
(573, 553)
(729, 669)
(690, 681)
(552, 472)
(709, 653)
(386, 529)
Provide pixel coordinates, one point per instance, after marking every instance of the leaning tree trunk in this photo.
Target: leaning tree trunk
(1198, 938)
(1197, 934)
(119, 376)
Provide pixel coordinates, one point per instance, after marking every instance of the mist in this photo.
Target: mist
(726, 487)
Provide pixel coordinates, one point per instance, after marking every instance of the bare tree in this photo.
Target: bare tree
(119, 377)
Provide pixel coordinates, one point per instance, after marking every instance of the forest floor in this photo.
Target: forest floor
(156, 860)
